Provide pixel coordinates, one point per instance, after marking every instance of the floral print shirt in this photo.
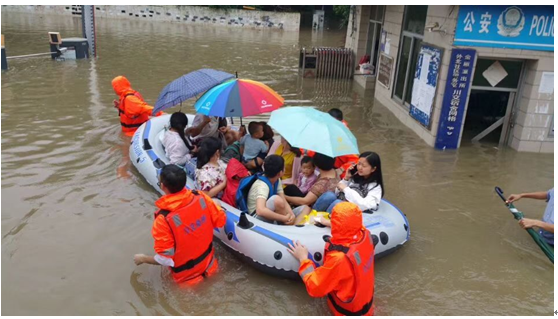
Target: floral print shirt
(210, 176)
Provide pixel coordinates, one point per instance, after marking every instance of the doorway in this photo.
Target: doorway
(486, 114)
(489, 117)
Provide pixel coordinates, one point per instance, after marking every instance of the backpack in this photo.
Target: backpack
(232, 151)
(235, 172)
(244, 187)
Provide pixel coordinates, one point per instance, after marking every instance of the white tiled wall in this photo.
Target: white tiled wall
(534, 112)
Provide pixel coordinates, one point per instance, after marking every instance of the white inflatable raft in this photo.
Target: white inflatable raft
(262, 244)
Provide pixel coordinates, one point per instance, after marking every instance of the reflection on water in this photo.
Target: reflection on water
(74, 212)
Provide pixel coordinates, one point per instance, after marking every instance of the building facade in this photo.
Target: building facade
(461, 74)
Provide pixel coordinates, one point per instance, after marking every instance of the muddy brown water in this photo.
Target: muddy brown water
(74, 212)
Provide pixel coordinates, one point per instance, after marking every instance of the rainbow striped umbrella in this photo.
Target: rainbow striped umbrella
(239, 98)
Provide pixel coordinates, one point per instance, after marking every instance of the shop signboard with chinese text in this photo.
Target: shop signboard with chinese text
(512, 27)
(425, 83)
(458, 83)
(384, 70)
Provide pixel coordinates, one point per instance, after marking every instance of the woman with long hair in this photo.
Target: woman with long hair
(292, 157)
(363, 185)
(210, 172)
(176, 144)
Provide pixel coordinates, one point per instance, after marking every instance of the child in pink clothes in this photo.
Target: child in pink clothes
(306, 179)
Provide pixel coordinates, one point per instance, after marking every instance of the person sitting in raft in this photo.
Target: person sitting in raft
(292, 158)
(270, 204)
(306, 179)
(267, 135)
(233, 147)
(343, 162)
(232, 140)
(203, 126)
(132, 109)
(327, 181)
(546, 226)
(253, 149)
(338, 115)
(188, 254)
(210, 170)
(347, 275)
(176, 144)
(363, 185)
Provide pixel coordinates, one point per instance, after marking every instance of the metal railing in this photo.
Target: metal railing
(325, 62)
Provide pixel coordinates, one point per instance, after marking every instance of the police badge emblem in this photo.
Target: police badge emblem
(511, 22)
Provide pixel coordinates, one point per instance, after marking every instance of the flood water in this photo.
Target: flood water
(74, 212)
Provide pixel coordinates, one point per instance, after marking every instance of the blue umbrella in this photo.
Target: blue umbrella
(313, 130)
(188, 86)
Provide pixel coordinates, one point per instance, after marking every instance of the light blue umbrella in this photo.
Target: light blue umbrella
(313, 130)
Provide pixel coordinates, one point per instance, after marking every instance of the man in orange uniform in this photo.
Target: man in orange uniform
(183, 229)
(131, 107)
(347, 275)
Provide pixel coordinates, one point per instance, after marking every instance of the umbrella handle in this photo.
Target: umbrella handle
(500, 193)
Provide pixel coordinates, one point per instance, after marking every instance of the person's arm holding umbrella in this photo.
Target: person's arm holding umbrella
(530, 223)
(526, 223)
(198, 125)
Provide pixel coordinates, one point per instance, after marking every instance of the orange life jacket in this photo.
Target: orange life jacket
(128, 122)
(343, 162)
(361, 256)
(192, 229)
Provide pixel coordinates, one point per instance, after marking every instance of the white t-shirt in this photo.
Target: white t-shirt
(210, 129)
(175, 148)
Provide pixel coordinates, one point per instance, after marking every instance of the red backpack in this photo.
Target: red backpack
(235, 172)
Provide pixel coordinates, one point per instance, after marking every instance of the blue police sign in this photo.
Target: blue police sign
(459, 77)
(512, 27)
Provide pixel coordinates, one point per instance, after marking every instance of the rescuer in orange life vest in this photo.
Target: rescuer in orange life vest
(347, 275)
(131, 107)
(183, 229)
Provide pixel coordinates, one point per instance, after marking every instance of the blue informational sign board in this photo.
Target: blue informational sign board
(424, 83)
(460, 74)
(512, 27)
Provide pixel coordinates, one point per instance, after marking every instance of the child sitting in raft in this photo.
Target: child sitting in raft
(210, 172)
(363, 185)
(176, 144)
(292, 158)
(327, 181)
(306, 179)
(252, 148)
(233, 147)
(265, 198)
